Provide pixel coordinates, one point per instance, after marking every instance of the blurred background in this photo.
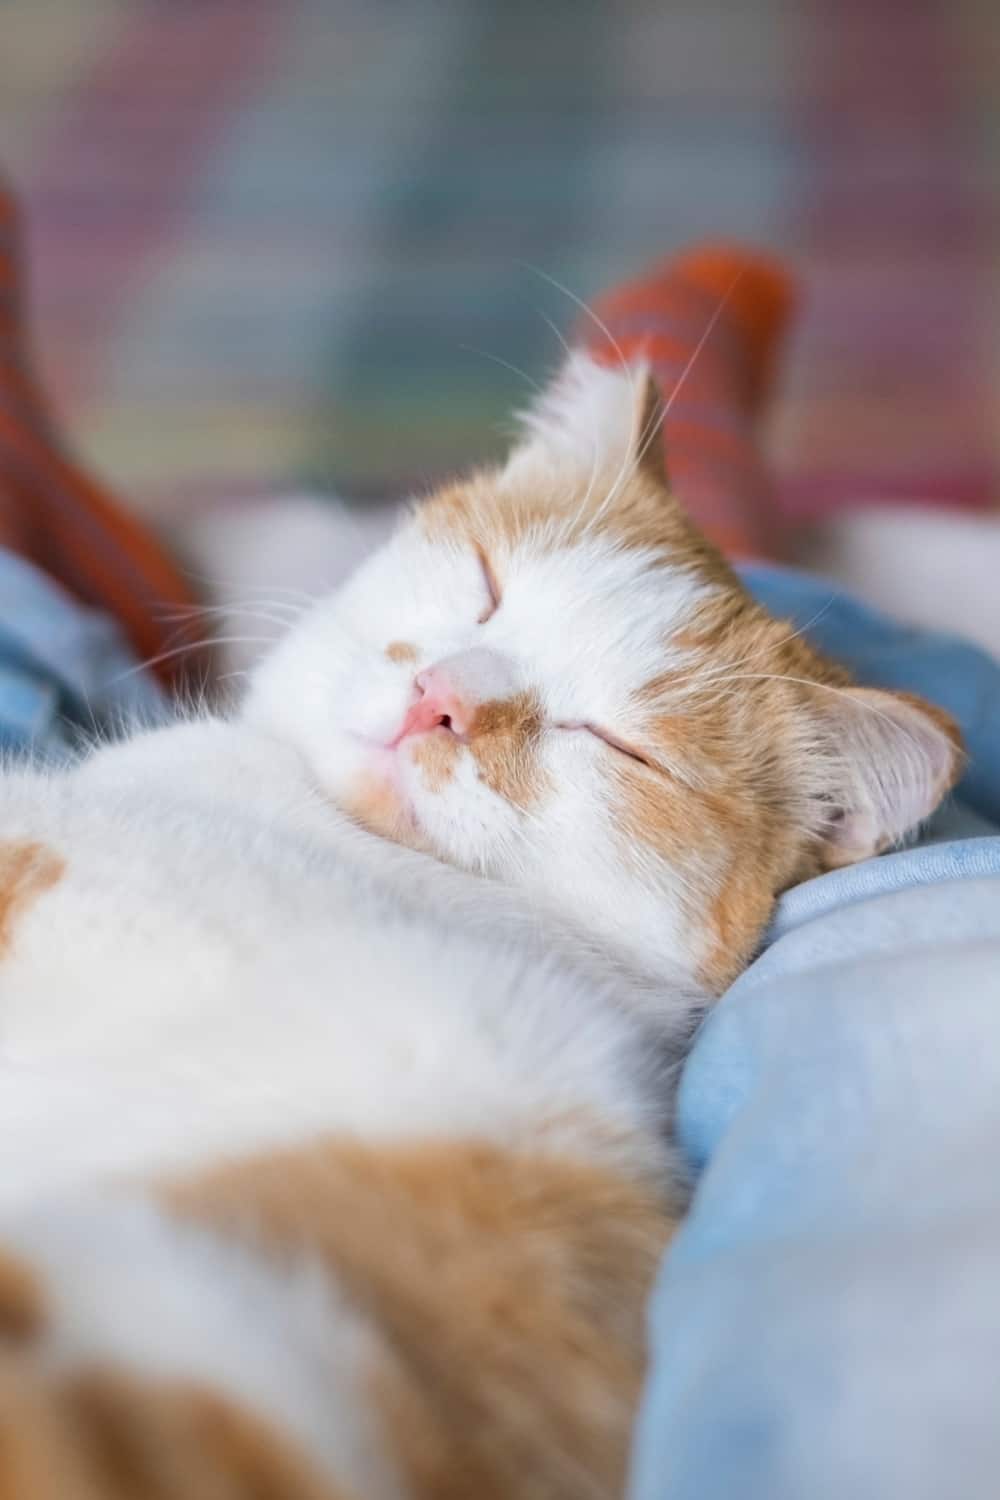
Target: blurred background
(277, 242)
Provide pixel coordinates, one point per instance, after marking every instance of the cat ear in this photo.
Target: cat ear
(894, 758)
(594, 420)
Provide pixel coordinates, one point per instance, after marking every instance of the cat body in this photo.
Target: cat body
(243, 975)
(336, 1035)
(266, 970)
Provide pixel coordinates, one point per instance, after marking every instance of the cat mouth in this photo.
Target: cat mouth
(389, 784)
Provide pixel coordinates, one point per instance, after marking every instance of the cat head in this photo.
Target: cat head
(548, 677)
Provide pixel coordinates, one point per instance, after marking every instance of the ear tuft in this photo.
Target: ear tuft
(594, 420)
(895, 758)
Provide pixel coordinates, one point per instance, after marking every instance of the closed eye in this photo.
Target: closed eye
(492, 587)
(612, 740)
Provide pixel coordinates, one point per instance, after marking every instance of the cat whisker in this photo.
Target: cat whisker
(626, 368)
(218, 584)
(588, 312)
(705, 676)
(192, 614)
(504, 364)
(648, 437)
(556, 331)
(252, 599)
(241, 613)
(716, 315)
(827, 687)
(297, 598)
(210, 644)
(629, 465)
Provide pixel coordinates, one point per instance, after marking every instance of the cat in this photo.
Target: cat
(336, 1033)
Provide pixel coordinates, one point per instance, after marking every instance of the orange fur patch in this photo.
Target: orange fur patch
(375, 804)
(27, 870)
(491, 515)
(509, 1291)
(107, 1435)
(731, 718)
(22, 1301)
(401, 651)
(437, 756)
(504, 738)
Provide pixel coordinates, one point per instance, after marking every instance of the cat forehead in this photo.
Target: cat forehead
(584, 606)
(593, 617)
(584, 560)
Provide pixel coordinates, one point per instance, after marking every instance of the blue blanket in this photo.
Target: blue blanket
(827, 1323)
(65, 671)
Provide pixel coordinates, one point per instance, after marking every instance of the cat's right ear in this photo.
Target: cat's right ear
(595, 422)
(891, 758)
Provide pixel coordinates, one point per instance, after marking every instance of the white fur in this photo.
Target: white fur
(583, 425)
(227, 965)
(236, 966)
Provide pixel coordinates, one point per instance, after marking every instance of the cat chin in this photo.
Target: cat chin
(378, 787)
(396, 794)
(376, 804)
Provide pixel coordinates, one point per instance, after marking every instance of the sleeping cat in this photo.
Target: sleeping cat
(336, 1035)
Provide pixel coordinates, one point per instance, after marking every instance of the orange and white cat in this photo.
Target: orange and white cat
(336, 1035)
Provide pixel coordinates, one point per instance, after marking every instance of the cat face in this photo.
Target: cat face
(547, 677)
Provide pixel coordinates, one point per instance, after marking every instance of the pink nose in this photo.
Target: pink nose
(440, 704)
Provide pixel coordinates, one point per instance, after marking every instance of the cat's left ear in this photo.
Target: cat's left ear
(890, 759)
(595, 421)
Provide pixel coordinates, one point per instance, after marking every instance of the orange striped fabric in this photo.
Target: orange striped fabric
(59, 517)
(710, 323)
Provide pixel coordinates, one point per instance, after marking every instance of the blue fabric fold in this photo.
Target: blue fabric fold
(65, 671)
